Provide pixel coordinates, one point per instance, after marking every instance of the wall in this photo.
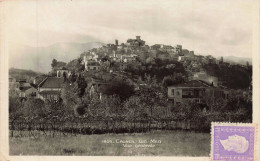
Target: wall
(176, 90)
(49, 89)
(30, 91)
(60, 73)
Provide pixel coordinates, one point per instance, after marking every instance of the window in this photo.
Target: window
(178, 103)
(197, 100)
(33, 94)
(172, 91)
(178, 93)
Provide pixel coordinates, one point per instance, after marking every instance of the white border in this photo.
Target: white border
(4, 139)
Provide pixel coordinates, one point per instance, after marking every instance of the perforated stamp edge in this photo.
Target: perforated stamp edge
(255, 125)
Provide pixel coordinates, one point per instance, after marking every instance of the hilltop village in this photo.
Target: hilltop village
(162, 73)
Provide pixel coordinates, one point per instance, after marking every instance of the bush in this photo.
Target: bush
(80, 110)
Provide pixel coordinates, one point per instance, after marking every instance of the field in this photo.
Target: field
(164, 143)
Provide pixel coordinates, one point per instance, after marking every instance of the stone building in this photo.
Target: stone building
(50, 88)
(195, 91)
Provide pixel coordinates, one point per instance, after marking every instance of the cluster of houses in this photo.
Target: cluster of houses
(128, 52)
(196, 89)
(43, 87)
(50, 89)
(113, 52)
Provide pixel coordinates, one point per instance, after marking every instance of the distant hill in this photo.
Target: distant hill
(23, 74)
(237, 60)
(26, 57)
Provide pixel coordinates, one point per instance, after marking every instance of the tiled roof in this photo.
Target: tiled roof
(52, 82)
(50, 92)
(193, 83)
(92, 63)
(25, 84)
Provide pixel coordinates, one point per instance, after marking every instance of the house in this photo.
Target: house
(23, 89)
(22, 85)
(128, 58)
(13, 85)
(96, 86)
(156, 46)
(181, 58)
(92, 65)
(178, 49)
(50, 88)
(195, 91)
(38, 79)
(185, 52)
(87, 57)
(135, 42)
(61, 71)
(30, 92)
(90, 56)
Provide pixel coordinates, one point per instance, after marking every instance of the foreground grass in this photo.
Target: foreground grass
(173, 143)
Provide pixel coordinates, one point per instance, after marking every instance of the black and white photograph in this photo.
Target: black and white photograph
(126, 78)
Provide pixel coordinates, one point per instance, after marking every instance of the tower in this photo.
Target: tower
(116, 42)
(221, 60)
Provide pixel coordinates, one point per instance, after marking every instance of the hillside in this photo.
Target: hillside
(23, 74)
(26, 57)
(237, 60)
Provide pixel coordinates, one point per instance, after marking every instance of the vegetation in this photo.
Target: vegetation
(148, 105)
(118, 87)
(234, 76)
(157, 67)
(57, 64)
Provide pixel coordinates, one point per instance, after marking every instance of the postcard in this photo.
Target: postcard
(129, 80)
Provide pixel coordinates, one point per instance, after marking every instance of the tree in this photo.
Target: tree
(134, 108)
(168, 81)
(82, 85)
(69, 94)
(54, 63)
(76, 65)
(72, 100)
(34, 108)
(65, 76)
(73, 77)
(172, 79)
(151, 97)
(15, 108)
(120, 88)
(56, 108)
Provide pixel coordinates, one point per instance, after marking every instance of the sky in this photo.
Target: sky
(218, 28)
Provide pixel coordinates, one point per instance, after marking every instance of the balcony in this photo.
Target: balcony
(191, 96)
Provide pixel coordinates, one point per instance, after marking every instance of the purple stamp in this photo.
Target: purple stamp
(233, 142)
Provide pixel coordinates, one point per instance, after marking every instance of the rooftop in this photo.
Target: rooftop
(93, 63)
(50, 92)
(51, 82)
(193, 83)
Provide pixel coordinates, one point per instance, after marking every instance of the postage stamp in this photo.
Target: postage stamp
(233, 141)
